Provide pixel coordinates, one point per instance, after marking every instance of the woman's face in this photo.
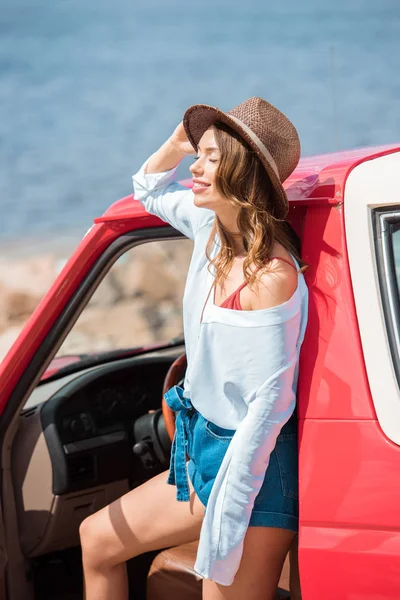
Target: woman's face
(204, 171)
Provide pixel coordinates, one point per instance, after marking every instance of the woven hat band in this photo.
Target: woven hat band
(257, 143)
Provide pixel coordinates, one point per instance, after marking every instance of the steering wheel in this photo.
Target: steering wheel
(175, 374)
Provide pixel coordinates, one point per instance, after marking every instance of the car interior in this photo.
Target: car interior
(83, 441)
(84, 437)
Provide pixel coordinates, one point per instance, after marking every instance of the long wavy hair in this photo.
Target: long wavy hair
(243, 181)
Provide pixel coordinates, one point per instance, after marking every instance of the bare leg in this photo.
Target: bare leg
(147, 518)
(295, 591)
(264, 553)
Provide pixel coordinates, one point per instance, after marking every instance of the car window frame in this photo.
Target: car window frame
(372, 185)
(71, 312)
(385, 223)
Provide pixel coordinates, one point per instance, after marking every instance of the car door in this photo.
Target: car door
(350, 388)
(34, 349)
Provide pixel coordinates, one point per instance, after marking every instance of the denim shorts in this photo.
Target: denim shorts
(206, 443)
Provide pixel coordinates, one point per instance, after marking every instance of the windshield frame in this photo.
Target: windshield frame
(73, 308)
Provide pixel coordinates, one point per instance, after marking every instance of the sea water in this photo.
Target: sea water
(89, 88)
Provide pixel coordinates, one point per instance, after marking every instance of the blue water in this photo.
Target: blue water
(89, 88)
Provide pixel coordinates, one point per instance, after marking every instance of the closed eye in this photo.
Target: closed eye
(213, 160)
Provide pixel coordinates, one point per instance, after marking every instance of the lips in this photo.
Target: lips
(199, 182)
(199, 186)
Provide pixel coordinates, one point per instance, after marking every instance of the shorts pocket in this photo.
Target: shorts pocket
(287, 456)
(219, 433)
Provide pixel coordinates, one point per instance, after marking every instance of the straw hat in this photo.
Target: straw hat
(267, 131)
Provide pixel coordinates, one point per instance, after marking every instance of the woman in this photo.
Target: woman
(245, 313)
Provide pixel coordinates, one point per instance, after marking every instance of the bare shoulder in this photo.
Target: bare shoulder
(276, 284)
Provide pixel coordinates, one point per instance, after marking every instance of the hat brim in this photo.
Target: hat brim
(199, 117)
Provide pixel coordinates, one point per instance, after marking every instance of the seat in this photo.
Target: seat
(172, 576)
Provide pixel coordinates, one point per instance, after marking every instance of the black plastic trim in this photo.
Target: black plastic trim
(51, 409)
(385, 223)
(95, 442)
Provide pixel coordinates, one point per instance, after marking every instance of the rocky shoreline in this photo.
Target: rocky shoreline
(138, 301)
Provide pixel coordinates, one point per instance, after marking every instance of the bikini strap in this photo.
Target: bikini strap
(284, 260)
(243, 285)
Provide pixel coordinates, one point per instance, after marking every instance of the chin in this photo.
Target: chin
(203, 202)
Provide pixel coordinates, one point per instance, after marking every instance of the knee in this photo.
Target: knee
(90, 534)
(97, 551)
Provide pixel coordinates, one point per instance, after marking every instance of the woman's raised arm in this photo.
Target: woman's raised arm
(155, 186)
(171, 153)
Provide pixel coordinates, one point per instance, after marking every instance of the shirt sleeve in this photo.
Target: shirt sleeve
(162, 196)
(242, 473)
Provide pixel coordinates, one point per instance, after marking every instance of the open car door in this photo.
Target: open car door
(3, 555)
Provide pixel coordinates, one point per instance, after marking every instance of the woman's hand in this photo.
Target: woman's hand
(180, 142)
(171, 153)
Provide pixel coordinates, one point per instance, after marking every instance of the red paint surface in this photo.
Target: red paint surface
(59, 363)
(350, 511)
(349, 470)
(331, 354)
(349, 491)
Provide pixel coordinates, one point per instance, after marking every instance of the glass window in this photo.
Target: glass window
(396, 253)
(139, 301)
(387, 239)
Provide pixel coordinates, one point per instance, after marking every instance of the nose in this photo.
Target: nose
(196, 168)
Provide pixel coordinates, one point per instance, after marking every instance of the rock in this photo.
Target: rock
(7, 338)
(98, 328)
(4, 321)
(19, 305)
(139, 301)
(157, 270)
(108, 293)
(32, 276)
(22, 285)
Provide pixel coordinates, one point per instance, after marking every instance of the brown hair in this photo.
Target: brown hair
(243, 181)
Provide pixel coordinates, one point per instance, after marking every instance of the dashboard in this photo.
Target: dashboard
(84, 440)
(100, 402)
(89, 423)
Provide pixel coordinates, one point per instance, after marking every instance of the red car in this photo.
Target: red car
(78, 432)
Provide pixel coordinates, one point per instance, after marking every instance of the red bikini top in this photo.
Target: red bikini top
(233, 301)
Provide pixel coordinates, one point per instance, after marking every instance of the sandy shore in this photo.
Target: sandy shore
(138, 301)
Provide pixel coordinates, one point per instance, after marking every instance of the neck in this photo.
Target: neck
(228, 219)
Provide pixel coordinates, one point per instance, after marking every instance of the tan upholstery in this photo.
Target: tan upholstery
(171, 575)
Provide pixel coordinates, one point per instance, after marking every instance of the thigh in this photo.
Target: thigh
(264, 553)
(146, 518)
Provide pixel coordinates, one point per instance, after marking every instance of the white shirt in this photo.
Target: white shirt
(242, 374)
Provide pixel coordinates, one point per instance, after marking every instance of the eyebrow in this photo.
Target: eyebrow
(209, 148)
